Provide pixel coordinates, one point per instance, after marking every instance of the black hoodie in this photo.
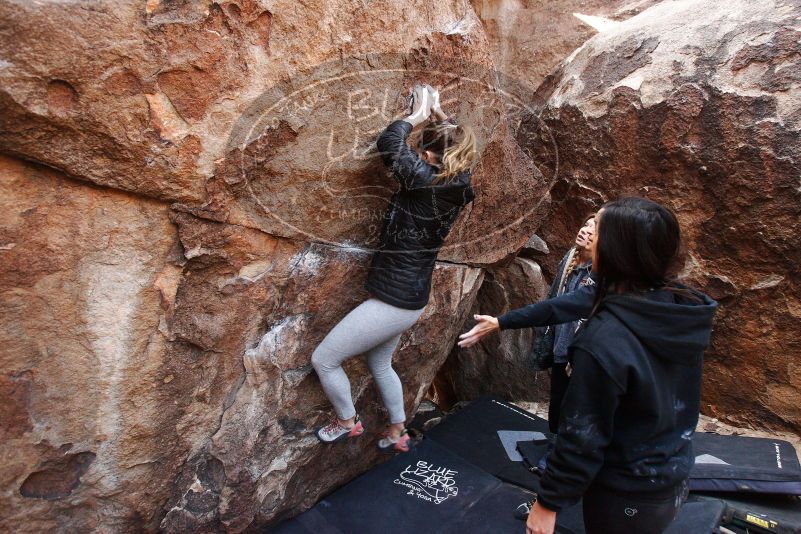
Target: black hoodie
(634, 396)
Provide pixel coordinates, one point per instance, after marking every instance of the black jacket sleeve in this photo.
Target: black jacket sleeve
(585, 430)
(562, 309)
(406, 165)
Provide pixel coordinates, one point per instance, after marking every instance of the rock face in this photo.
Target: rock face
(696, 105)
(145, 366)
(190, 197)
(259, 115)
(261, 460)
(498, 364)
(529, 38)
(85, 277)
(190, 201)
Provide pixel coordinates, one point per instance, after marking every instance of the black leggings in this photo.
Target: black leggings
(559, 382)
(608, 511)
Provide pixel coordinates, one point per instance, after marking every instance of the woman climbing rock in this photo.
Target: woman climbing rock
(434, 185)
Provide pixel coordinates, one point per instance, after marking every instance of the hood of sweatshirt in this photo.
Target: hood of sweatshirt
(669, 325)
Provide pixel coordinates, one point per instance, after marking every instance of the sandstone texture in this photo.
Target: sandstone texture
(258, 113)
(156, 359)
(696, 104)
(86, 404)
(190, 198)
(529, 38)
(498, 364)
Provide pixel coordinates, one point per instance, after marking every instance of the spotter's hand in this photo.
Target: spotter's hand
(540, 520)
(486, 325)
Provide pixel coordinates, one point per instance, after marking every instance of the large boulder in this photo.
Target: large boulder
(259, 113)
(254, 456)
(695, 104)
(87, 277)
(156, 364)
(529, 38)
(190, 197)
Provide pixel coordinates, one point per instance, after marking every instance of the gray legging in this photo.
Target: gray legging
(373, 327)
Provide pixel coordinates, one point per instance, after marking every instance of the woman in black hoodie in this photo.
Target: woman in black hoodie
(627, 419)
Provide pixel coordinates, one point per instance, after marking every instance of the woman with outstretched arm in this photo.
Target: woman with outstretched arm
(629, 413)
(570, 302)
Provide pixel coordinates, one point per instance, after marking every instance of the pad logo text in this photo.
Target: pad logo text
(428, 482)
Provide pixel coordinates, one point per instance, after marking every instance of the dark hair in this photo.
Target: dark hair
(454, 146)
(637, 246)
(437, 136)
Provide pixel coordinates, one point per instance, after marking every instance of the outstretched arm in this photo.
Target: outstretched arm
(563, 309)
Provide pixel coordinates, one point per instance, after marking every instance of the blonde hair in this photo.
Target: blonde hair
(455, 145)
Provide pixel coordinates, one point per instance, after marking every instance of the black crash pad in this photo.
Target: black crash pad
(744, 464)
(755, 513)
(427, 490)
(431, 489)
(726, 463)
(475, 433)
(478, 431)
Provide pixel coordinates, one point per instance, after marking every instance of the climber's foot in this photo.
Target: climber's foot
(336, 431)
(392, 444)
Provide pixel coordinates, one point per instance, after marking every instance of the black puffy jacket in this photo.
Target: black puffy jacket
(419, 218)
